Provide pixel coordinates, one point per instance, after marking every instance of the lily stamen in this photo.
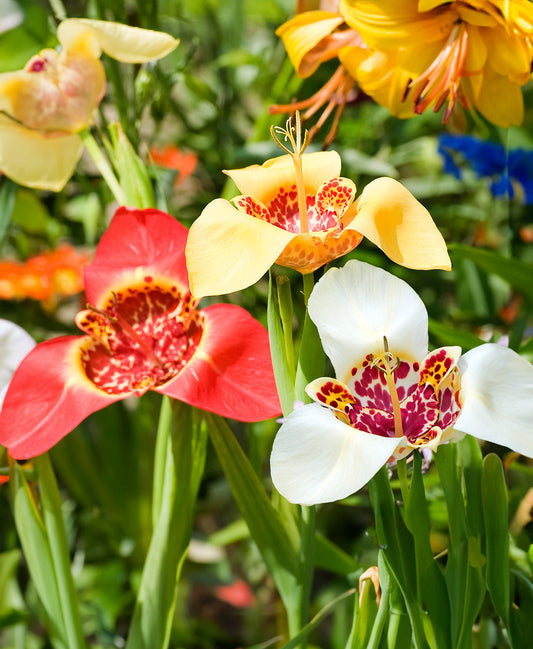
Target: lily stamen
(440, 82)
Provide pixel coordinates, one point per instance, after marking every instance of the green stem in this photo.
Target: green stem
(309, 283)
(401, 466)
(160, 459)
(103, 165)
(307, 563)
(286, 313)
(55, 528)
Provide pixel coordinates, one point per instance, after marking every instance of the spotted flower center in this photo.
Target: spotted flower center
(390, 397)
(324, 210)
(141, 339)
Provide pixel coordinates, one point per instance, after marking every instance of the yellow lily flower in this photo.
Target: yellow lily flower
(296, 211)
(427, 53)
(45, 105)
(311, 38)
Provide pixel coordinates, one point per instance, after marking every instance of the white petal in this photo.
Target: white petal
(354, 307)
(15, 344)
(318, 459)
(497, 397)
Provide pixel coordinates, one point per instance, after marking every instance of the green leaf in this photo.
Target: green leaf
(54, 524)
(36, 548)
(446, 335)
(432, 591)
(271, 536)
(311, 359)
(174, 502)
(517, 273)
(496, 516)
(521, 620)
(133, 173)
(8, 194)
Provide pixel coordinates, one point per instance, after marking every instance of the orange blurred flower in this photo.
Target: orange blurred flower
(170, 157)
(45, 277)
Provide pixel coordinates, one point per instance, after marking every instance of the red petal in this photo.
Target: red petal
(48, 397)
(231, 371)
(137, 242)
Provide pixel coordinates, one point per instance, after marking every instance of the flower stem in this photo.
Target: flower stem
(55, 528)
(307, 563)
(103, 165)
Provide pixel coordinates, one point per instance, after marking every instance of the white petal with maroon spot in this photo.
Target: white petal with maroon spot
(317, 459)
(356, 306)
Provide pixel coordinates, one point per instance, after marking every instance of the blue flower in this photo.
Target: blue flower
(506, 169)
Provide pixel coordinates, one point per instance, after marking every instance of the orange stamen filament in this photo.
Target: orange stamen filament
(384, 362)
(440, 82)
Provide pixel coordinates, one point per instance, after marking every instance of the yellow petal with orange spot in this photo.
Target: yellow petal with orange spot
(302, 36)
(264, 181)
(122, 42)
(228, 250)
(309, 251)
(36, 160)
(391, 217)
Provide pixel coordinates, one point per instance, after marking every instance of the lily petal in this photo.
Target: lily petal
(228, 250)
(318, 459)
(137, 243)
(356, 306)
(36, 160)
(229, 372)
(124, 43)
(303, 37)
(264, 181)
(391, 217)
(48, 396)
(15, 344)
(497, 396)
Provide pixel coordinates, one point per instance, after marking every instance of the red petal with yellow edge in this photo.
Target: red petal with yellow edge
(47, 398)
(230, 373)
(137, 244)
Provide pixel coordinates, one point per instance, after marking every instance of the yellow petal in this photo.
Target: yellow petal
(500, 100)
(303, 35)
(508, 54)
(32, 159)
(312, 250)
(393, 23)
(379, 75)
(124, 43)
(228, 250)
(390, 216)
(264, 181)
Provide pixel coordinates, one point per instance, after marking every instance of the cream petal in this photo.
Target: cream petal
(391, 217)
(15, 343)
(264, 181)
(122, 42)
(228, 250)
(318, 459)
(34, 160)
(354, 307)
(497, 397)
